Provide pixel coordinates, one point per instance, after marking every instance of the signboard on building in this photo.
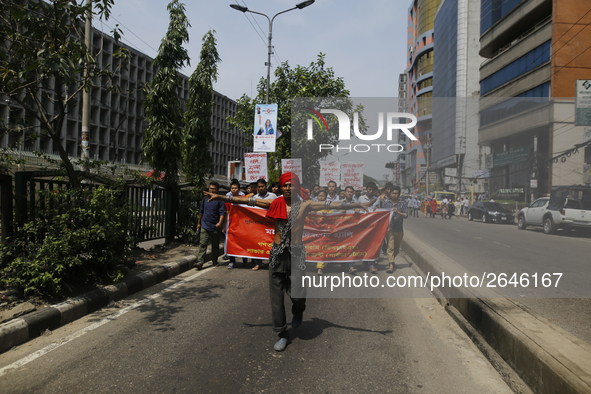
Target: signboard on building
(481, 174)
(432, 177)
(256, 166)
(447, 161)
(330, 171)
(450, 176)
(510, 194)
(292, 165)
(352, 175)
(583, 102)
(511, 156)
(265, 126)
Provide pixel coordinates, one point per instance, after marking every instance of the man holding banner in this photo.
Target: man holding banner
(287, 249)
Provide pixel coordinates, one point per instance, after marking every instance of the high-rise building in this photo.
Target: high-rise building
(536, 50)
(117, 118)
(400, 166)
(455, 153)
(421, 17)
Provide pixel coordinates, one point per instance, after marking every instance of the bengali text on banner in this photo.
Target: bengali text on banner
(329, 237)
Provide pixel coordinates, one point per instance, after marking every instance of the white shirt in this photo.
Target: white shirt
(268, 196)
(329, 198)
(229, 194)
(364, 199)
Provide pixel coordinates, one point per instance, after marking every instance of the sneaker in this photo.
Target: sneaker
(280, 345)
(230, 266)
(373, 270)
(352, 270)
(199, 266)
(225, 257)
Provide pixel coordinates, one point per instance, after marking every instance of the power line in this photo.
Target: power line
(133, 34)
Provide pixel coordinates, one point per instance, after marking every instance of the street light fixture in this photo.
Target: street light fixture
(298, 6)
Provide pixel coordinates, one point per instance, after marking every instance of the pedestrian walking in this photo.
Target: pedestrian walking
(433, 207)
(395, 231)
(451, 208)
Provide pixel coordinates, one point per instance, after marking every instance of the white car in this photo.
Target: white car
(556, 212)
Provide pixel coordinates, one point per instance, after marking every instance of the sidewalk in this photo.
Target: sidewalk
(548, 358)
(147, 272)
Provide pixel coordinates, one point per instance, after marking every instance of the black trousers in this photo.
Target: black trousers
(281, 280)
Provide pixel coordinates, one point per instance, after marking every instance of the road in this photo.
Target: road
(501, 248)
(212, 333)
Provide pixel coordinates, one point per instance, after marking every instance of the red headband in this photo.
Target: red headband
(289, 177)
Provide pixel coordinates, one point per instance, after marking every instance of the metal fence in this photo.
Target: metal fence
(152, 213)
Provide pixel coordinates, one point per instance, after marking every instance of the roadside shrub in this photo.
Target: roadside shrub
(188, 215)
(76, 237)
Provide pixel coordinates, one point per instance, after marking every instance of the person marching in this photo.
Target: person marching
(321, 196)
(211, 217)
(395, 229)
(262, 194)
(289, 213)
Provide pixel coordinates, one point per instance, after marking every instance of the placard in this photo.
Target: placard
(352, 175)
(330, 171)
(256, 166)
(292, 165)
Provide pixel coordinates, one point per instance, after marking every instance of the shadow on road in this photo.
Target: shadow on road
(313, 328)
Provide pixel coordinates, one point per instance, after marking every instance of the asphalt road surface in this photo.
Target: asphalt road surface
(502, 248)
(211, 333)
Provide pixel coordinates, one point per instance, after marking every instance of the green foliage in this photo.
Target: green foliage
(77, 236)
(162, 141)
(313, 81)
(189, 214)
(42, 62)
(197, 161)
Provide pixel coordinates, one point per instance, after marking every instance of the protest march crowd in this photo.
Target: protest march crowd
(293, 226)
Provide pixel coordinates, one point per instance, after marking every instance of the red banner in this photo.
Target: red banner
(249, 232)
(329, 237)
(338, 237)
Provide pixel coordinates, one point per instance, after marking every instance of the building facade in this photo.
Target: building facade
(117, 118)
(536, 50)
(455, 154)
(400, 164)
(420, 44)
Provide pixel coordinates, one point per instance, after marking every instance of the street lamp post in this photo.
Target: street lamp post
(299, 6)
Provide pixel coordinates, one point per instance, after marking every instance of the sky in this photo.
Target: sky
(364, 42)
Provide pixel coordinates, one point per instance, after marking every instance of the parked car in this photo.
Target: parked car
(490, 212)
(567, 207)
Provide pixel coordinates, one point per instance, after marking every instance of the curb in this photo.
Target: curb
(27, 327)
(548, 358)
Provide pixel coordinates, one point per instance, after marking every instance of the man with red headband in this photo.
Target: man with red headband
(289, 213)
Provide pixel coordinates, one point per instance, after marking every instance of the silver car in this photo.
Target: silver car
(571, 215)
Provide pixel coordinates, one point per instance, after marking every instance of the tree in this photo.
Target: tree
(162, 140)
(314, 81)
(42, 61)
(197, 161)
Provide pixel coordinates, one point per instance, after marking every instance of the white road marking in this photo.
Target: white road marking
(498, 243)
(70, 338)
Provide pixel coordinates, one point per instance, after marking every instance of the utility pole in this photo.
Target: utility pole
(85, 156)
